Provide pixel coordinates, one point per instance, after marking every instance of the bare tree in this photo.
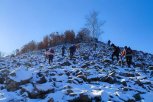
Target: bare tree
(31, 46)
(46, 41)
(83, 35)
(94, 24)
(54, 38)
(40, 45)
(69, 36)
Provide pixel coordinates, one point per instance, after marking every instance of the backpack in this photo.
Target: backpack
(128, 52)
(51, 51)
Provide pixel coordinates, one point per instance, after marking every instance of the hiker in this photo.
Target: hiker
(95, 46)
(72, 51)
(50, 55)
(63, 50)
(123, 54)
(129, 56)
(116, 52)
(109, 43)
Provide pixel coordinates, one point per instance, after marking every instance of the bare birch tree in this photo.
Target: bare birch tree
(94, 24)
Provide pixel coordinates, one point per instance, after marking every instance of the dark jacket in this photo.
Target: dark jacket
(129, 52)
(72, 49)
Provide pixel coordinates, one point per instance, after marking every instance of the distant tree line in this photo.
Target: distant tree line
(91, 32)
(55, 38)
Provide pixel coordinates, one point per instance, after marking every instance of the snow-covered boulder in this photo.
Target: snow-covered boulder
(67, 63)
(37, 90)
(18, 77)
(82, 98)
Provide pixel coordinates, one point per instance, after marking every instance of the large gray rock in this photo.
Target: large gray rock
(140, 65)
(109, 61)
(137, 97)
(42, 80)
(82, 77)
(94, 79)
(151, 67)
(109, 79)
(86, 65)
(12, 85)
(67, 63)
(37, 90)
(82, 98)
(127, 74)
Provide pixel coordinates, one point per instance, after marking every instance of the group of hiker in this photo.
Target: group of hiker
(126, 53)
(49, 53)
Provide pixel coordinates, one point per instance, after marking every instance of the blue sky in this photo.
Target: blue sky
(128, 22)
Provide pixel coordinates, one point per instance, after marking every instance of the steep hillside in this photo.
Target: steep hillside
(89, 77)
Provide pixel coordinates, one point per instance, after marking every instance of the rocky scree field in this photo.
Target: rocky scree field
(89, 77)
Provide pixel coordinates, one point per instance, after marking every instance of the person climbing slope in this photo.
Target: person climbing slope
(63, 50)
(123, 54)
(51, 55)
(72, 51)
(109, 43)
(129, 53)
(116, 52)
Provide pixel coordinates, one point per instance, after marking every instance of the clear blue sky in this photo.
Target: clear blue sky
(128, 22)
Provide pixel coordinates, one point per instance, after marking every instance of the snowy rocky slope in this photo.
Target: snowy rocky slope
(89, 77)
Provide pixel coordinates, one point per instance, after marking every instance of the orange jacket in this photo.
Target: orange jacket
(123, 53)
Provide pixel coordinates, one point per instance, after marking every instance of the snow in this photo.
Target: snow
(97, 92)
(44, 87)
(6, 96)
(125, 96)
(21, 74)
(65, 82)
(105, 96)
(148, 97)
(28, 87)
